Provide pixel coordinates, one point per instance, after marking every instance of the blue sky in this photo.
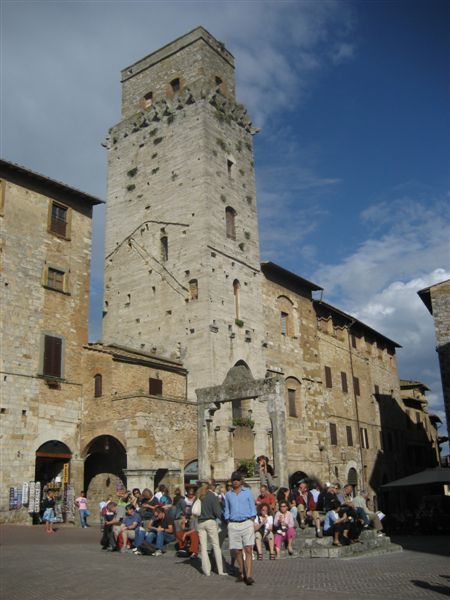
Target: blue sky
(352, 161)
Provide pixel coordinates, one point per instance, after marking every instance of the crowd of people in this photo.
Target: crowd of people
(144, 523)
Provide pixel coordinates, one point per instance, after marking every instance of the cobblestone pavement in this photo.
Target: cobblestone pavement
(70, 564)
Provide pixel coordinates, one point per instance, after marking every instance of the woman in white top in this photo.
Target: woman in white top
(263, 530)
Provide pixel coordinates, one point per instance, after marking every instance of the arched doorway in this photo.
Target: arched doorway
(52, 472)
(104, 454)
(297, 478)
(191, 472)
(352, 477)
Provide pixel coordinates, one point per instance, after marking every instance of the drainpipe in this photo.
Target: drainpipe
(356, 404)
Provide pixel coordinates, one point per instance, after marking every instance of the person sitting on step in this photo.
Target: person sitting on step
(307, 507)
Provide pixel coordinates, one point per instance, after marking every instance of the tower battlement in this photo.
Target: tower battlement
(196, 58)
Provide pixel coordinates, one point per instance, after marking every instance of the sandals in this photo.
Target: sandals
(259, 557)
(337, 544)
(272, 557)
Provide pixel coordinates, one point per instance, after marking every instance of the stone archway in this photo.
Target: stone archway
(104, 455)
(238, 387)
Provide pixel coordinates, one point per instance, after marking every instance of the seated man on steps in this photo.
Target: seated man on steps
(162, 530)
(371, 518)
(307, 508)
(131, 524)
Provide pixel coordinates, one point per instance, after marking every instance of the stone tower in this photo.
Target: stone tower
(182, 271)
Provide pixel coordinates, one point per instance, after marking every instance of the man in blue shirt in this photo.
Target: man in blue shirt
(240, 512)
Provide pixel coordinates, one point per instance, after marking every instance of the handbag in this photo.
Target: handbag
(196, 510)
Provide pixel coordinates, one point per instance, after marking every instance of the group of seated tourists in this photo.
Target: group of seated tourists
(144, 523)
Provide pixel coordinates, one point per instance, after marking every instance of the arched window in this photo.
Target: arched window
(97, 385)
(237, 293)
(286, 315)
(175, 85)
(293, 396)
(230, 218)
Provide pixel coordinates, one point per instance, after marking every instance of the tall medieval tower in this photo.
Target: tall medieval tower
(182, 272)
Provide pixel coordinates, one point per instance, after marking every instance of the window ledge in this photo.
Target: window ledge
(58, 235)
(47, 287)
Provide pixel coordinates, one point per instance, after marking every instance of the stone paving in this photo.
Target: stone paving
(70, 564)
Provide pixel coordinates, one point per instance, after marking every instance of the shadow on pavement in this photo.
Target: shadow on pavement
(440, 589)
(428, 544)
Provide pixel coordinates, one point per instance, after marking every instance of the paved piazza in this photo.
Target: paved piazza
(70, 564)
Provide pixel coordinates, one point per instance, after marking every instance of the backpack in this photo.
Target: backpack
(196, 510)
(146, 548)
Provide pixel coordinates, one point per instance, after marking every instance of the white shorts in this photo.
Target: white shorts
(241, 534)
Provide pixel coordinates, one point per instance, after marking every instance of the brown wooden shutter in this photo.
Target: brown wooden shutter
(52, 356)
(356, 386)
(349, 435)
(333, 434)
(155, 387)
(344, 382)
(328, 379)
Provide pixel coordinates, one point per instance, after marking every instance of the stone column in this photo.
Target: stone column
(274, 395)
(204, 465)
(140, 478)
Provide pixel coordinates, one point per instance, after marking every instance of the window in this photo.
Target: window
(155, 387)
(193, 289)
(333, 434)
(344, 382)
(356, 386)
(237, 297)
(364, 437)
(59, 219)
(291, 403)
(328, 379)
(55, 279)
(349, 435)
(284, 323)
(148, 100)
(353, 338)
(164, 248)
(236, 409)
(97, 385)
(52, 365)
(230, 219)
(377, 391)
(230, 165)
(175, 85)
(218, 81)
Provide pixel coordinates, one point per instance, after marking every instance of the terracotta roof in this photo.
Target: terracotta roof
(41, 183)
(126, 354)
(352, 320)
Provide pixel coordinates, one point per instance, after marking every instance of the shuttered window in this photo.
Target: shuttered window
(55, 279)
(356, 386)
(52, 356)
(344, 382)
(155, 387)
(349, 435)
(364, 437)
(328, 379)
(284, 323)
(58, 221)
(333, 434)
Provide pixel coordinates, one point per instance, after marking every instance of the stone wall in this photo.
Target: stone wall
(32, 412)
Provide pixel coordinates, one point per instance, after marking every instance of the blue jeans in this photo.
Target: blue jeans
(161, 538)
(140, 536)
(83, 516)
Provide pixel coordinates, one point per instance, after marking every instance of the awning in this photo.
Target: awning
(427, 477)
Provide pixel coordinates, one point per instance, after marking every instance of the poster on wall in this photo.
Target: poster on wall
(12, 498)
(25, 491)
(37, 497)
(31, 494)
(69, 502)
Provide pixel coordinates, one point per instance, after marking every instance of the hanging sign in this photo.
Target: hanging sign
(66, 473)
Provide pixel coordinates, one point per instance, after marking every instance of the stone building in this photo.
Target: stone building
(209, 357)
(46, 248)
(437, 299)
(137, 428)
